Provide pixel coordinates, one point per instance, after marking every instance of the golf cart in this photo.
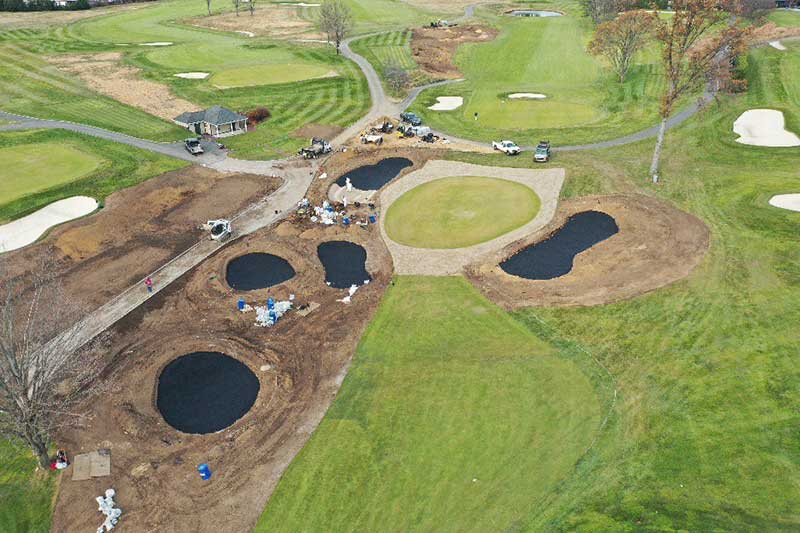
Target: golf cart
(192, 146)
(318, 147)
(542, 153)
(219, 229)
(372, 138)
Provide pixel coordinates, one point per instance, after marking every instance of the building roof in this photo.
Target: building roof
(213, 115)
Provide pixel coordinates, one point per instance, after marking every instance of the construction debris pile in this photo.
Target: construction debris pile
(330, 214)
(107, 507)
(268, 315)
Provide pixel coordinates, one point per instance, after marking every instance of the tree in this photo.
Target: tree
(396, 77)
(755, 9)
(335, 20)
(41, 375)
(236, 5)
(208, 6)
(601, 10)
(619, 39)
(251, 5)
(690, 50)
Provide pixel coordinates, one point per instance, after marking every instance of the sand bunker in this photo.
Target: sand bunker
(28, 229)
(764, 127)
(248, 33)
(527, 96)
(164, 43)
(299, 4)
(192, 75)
(447, 103)
(777, 45)
(786, 201)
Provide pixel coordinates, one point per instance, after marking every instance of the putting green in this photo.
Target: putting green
(528, 114)
(29, 168)
(269, 74)
(460, 211)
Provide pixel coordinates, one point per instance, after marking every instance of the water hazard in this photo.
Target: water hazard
(204, 392)
(254, 271)
(344, 262)
(554, 257)
(373, 177)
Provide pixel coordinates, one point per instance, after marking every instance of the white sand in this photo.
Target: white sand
(248, 33)
(299, 4)
(530, 96)
(786, 201)
(777, 45)
(165, 43)
(26, 230)
(192, 75)
(447, 103)
(764, 127)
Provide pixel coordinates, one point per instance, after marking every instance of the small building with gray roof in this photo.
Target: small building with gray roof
(216, 121)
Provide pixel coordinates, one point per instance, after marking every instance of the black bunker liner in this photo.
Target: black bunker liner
(344, 262)
(554, 256)
(205, 392)
(373, 177)
(254, 271)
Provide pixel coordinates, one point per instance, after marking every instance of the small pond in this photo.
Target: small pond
(344, 262)
(373, 177)
(204, 392)
(250, 272)
(530, 13)
(553, 257)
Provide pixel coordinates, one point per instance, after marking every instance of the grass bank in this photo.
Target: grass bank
(453, 417)
(45, 180)
(26, 495)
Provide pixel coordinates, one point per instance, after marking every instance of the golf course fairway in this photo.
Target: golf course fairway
(460, 211)
(453, 417)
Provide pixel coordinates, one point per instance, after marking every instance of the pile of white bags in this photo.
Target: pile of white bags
(106, 506)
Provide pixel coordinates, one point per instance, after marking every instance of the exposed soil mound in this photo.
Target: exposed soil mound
(434, 48)
(657, 244)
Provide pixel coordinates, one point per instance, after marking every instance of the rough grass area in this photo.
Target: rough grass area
(25, 495)
(453, 417)
(391, 49)
(545, 55)
(782, 17)
(107, 167)
(461, 211)
(29, 168)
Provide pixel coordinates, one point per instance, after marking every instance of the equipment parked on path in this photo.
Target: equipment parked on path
(318, 147)
(373, 138)
(404, 131)
(542, 154)
(219, 228)
(411, 118)
(507, 147)
(192, 146)
(384, 127)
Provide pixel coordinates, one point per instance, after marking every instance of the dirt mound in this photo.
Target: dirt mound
(434, 48)
(106, 74)
(657, 244)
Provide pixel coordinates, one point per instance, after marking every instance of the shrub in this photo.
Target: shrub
(257, 115)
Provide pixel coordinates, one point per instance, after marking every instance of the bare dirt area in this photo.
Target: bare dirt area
(46, 19)
(657, 245)
(138, 230)
(277, 21)
(434, 48)
(300, 364)
(769, 32)
(106, 74)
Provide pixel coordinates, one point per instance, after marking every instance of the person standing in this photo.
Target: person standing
(476, 115)
(149, 284)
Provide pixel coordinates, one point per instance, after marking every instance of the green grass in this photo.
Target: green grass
(460, 211)
(544, 55)
(30, 168)
(789, 19)
(391, 49)
(61, 164)
(25, 495)
(267, 75)
(452, 417)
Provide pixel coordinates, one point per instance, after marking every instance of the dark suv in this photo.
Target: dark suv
(411, 118)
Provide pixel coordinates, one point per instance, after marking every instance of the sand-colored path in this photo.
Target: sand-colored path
(445, 262)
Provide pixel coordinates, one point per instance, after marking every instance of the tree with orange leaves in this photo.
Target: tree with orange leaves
(618, 40)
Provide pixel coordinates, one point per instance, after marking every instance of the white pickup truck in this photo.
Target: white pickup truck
(507, 147)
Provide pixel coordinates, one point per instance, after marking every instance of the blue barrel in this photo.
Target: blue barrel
(270, 303)
(346, 221)
(373, 219)
(240, 304)
(205, 471)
